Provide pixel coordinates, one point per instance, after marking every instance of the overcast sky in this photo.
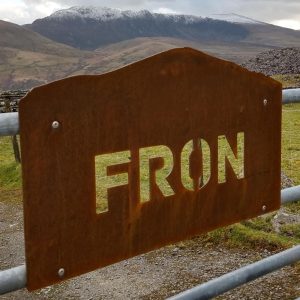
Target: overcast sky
(284, 13)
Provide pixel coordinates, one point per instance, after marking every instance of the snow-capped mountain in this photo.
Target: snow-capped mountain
(91, 27)
(103, 14)
(96, 13)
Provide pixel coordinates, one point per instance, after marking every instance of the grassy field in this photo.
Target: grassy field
(290, 158)
(257, 232)
(10, 171)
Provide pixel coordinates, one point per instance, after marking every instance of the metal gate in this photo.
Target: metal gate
(15, 278)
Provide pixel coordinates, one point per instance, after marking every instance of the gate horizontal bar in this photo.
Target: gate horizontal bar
(15, 278)
(238, 277)
(9, 122)
(291, 194)
(12, 279)
(290, 96)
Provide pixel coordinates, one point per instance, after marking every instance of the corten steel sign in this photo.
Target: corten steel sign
(122, 163)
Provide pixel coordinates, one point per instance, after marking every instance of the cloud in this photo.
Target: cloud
(165, 10)
(24, 11)
(13, 11)
(46, 8)
(294, 24)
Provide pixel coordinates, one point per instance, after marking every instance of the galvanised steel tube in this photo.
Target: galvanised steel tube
(238, 277)
(291, 194)
(12, 279)
(290, 96)
(9, 123)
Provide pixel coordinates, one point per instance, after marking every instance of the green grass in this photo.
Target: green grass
(10, 171)
(291, 230)
(242, 236)
(260, 223)
(290, 149)
(10, 176)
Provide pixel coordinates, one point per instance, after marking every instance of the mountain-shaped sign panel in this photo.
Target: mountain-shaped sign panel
(122, 163)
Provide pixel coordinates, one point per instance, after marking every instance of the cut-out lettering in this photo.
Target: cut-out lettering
(234, 158)
(195, 168)
(105, 182)
(186, 178)
(146, 154)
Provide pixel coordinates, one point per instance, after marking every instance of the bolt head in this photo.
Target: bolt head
(265, 102)
(264, 208)
(55, 124)
(61, 272)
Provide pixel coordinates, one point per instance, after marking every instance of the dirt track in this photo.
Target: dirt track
(155, 275)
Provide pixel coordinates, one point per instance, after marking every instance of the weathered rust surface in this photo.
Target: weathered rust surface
(167, 99)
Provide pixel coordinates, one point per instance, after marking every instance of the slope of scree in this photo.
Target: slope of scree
(277, 61)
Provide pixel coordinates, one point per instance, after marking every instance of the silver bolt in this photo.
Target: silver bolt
(265, 102)
(55, 124)
(61, 272)
(264, 208)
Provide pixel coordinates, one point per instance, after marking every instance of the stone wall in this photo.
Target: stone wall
(9, 100)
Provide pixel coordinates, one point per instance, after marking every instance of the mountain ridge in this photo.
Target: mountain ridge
(105, 14)
(90, 27)
(235, 18)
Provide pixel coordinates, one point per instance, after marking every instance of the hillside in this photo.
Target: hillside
(116, 38)
(272, 36)
(25, 69)
(126, 52)
(29, 59)
(21, 38)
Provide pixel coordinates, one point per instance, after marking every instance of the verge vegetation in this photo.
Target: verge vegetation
(288, 80)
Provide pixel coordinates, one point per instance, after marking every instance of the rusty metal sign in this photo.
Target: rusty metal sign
(119, 164)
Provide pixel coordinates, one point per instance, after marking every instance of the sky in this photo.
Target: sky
(279, 12)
